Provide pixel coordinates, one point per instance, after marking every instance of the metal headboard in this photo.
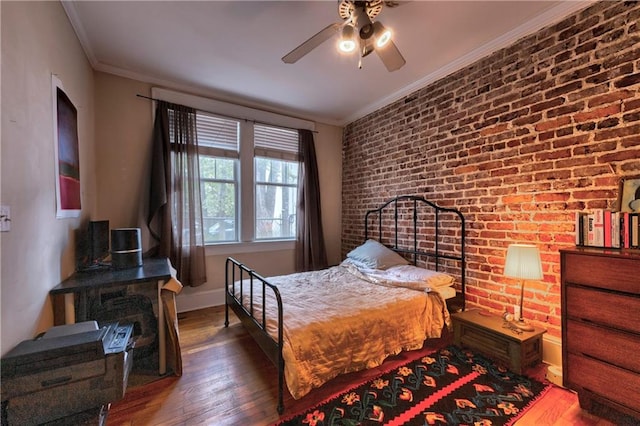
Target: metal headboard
(413, 203)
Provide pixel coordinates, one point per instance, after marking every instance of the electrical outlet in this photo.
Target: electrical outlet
(5, 218)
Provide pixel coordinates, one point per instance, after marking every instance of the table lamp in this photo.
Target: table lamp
(523, 262)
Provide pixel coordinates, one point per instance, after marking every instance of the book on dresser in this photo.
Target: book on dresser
(600, 299)
(608, 229)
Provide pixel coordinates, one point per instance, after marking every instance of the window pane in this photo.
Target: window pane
(217, 168)
(219, 199)
(275, 211)
(268, 170)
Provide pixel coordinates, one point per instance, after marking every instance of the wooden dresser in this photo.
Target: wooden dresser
(601, 329)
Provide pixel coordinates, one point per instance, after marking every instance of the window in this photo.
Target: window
(248, 172)
(275, 175)
(276, 179)
(219, 148)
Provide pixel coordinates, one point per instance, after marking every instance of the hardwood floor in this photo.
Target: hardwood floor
(227, 380)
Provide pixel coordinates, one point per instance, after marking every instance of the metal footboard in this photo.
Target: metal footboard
(251, 284)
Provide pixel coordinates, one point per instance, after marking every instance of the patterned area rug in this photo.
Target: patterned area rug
(449, 387)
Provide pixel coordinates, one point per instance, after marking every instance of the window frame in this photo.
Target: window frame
(247, 117)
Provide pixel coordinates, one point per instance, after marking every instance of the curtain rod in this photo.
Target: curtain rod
(228, 116)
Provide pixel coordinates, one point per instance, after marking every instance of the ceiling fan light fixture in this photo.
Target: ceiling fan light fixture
(381, 35)
(347, 43)
(357, 31)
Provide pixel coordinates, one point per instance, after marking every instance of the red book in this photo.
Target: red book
(607, 229)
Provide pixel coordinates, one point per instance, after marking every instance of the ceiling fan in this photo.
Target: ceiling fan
(358, 32)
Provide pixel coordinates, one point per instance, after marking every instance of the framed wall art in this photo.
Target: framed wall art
(629, 194)
(67, 158)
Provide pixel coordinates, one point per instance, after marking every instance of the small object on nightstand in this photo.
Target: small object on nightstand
(512, 326)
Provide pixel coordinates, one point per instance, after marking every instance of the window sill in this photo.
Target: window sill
(248, 247)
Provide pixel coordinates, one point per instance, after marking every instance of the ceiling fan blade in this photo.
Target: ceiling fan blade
(315, 41)
(391, 56)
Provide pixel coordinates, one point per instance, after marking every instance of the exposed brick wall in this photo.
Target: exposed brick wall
(518, 141)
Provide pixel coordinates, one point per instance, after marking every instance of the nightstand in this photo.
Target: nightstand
(486, 333)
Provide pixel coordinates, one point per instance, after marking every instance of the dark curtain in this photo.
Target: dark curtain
(310, 250)
(175, 211)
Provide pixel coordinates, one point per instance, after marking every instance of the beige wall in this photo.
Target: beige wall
(329, 156)
(123, 148)
(123, 151)
(38, 252)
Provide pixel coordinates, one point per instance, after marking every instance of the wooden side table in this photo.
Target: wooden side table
(486, 333)
(77, 285)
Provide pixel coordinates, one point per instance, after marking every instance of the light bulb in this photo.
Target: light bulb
(381, 35)
(347, 43)
(384, 38)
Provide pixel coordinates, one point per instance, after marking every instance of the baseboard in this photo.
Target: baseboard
(552, 350)
(552, 355)
(186, 302)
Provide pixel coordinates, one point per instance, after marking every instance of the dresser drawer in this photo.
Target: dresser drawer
(613, 383)
(615, 310)
(613, 273)
(608, 345)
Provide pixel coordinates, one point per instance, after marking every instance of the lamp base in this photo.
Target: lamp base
(521, 325)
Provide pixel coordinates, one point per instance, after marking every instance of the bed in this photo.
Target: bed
(387, 296)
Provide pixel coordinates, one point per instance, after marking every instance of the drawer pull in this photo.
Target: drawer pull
(55, 382)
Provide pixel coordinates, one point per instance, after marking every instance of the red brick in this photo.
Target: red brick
(493, 130)
(608, 98)
(597, 113)
(517, 199)
(552, 124)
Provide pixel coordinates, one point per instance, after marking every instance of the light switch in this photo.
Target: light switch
(5, 218)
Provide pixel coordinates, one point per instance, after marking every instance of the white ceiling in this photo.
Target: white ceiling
(232, 50)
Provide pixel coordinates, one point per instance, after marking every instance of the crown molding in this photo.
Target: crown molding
(543, 20)
(551, 16)
(70, 9)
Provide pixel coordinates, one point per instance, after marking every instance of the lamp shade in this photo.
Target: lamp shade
(523, 261)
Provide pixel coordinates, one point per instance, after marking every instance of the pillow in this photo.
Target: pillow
(376, 256)
(362, 266)
(416, 274)
(385, 278)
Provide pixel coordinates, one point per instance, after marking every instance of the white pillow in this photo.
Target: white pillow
(374, 255)
(416, 274)
(358, 264)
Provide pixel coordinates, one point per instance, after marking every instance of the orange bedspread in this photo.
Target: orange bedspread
(338, 321)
